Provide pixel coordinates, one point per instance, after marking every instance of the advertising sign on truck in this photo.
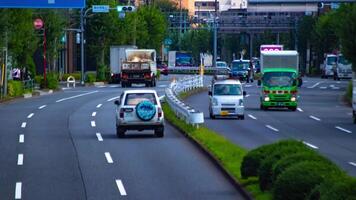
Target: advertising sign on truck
(271, 47)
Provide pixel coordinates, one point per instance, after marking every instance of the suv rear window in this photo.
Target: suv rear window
(135, 98)
(227, 89)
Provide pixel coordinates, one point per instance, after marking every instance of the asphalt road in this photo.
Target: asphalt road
(323, 121)
(64, 146)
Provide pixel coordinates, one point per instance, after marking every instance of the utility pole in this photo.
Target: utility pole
(215, 34)
(82, 13)
(180, 24)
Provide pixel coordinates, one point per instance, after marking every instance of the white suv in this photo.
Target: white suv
(226, 99)
(139, 110)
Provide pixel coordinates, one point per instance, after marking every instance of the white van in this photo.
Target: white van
(327, 68)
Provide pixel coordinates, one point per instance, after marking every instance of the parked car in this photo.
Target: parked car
(163, 68)
(139, 110)
(226, 99)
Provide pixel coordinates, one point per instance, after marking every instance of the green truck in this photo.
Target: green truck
(279, 79)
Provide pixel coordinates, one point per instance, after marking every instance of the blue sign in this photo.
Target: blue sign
(42, 3)
(101, 8)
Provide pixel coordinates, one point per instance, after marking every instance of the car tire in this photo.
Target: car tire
(241, 117)
(123, 85)
(159, 132)
(120, 132)
(293, 108)
(262, 107)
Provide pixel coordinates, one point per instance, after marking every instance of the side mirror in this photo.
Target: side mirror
(117, 102)
(259, 82)
(244, 93)
(300, 82)
(210, 93)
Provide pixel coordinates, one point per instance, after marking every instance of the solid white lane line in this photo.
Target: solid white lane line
(111, 99)
(76, 96)
(310, 145)
(323, 88)
(41, 107)
(121, 188)
(352, 163)
(313, 86)
(93, 114)
(342, 129)
(315, 118)
(108, 157)
(18, 189)
(93, 124)
(23, 125)
(30, 115)
(20, 159)
(98, 135)
(300, 110)
(99, 105)
(272, 128)
(252, 117)
(22, 138)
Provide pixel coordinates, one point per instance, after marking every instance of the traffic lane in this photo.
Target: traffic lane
(161, 168)
(249, 133)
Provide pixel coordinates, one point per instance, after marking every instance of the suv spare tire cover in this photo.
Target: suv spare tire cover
(145, 110)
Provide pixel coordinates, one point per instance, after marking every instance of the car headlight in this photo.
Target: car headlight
(241, 102)
(293, 99)
(267, 99)
(145, 66)
(215, 102)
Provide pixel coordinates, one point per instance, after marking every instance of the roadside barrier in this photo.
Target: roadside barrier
(70, 80)
(183, 111)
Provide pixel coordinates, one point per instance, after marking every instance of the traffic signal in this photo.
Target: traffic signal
(126, 8)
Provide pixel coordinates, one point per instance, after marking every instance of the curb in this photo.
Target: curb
(216, 162)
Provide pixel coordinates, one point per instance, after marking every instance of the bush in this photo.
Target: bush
(293, 159)
(336, 188)
(38, 79)
(52, 80)
(252, 161)
(348, 94)
(158, 74)
(298, 181)
(101, 73)
(265, 172)
(90, 78)
(14, 88)
(75, 75)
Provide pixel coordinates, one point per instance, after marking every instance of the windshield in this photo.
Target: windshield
(240, 66)
(221, 64)
(134, 99)
(280, 79)
(227, 89)
(343, 60)
(331, 60)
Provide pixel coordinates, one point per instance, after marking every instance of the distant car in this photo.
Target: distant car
(139, 110)
(221, 64)
(163, 68)
(239, 69)
(226, 99)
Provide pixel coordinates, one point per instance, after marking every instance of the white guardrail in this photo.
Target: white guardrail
(183, 111)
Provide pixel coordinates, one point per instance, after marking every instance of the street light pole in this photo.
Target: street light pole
(180, 24)
(82, 44)
(215, 34)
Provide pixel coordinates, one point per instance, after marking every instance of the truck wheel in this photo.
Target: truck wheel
(262, 107)
(147, 85)
(293, 108)
(120, 132)
(241, 117)
(159, 132)
(123, 85)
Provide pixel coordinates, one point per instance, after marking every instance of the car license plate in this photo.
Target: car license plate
(136, 76)
(280, 104)
(224, 113)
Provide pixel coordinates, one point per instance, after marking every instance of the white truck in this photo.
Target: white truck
(139, 67)
(117, 56)
(343, 67)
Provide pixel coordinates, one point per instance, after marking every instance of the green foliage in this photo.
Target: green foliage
(101, 73)
(90, 78)
(158, 74)
(252, 161)
(75, 75)
(299, 180)
(52, 80)
(166, 5)
(14, 88)
(336, 188)
(38, 79)
(348, 94)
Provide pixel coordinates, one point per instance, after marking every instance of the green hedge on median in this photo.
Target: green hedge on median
(15, 88)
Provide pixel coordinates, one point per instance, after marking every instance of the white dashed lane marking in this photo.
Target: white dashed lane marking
(23, 125)
(20, 159)
(30, 115)
(111, 99)
(352, 163)
(247, 95)
(323, 88)
(310, 145)
(100, 138)
(315, 118)
(342, 129)
(18, 189)
(108, 158)
(300, 110)
(76, 96)
(313, 86)
(99, 105)
(252, 117)
(272, 128)
(93, 114)
(121, 188)
(41, 107)
(93, 124)
(21, 138)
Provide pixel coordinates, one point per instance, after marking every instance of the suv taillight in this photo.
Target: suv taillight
(124, 76)
(147, 75)
(121, 113)
(159, 112)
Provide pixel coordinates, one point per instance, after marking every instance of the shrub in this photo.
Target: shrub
(14, 88)
(101, 73)
(265, 172)
(336, 188)
(298, 181)
(293, 159)
(75, 75)
(52, 80)
(348, 94)
(38, 79)
(158, 74)
(252, 161)
(90, 78)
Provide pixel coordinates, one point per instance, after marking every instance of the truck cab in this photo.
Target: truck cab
(329, 66)
(343, 67)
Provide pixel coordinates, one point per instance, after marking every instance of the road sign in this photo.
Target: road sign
(42, 4)
(38, 23)
(101, 8)
(125, 8)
